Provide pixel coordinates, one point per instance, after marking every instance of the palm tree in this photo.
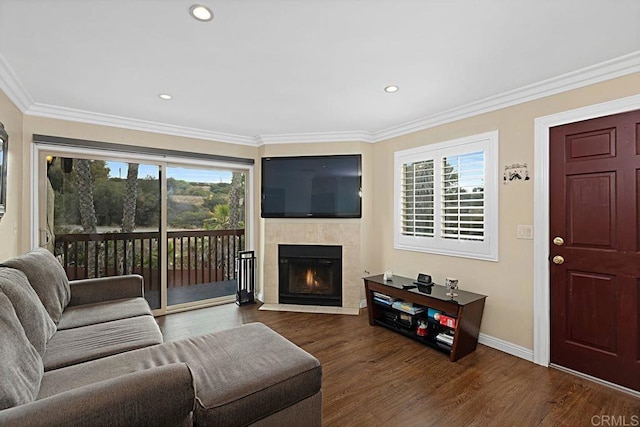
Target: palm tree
(234, 200)
(219, 220)
(129, 211)
(221, 217)
(87, 209)
(130, 198)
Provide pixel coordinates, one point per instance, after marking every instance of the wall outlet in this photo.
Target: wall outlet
(525, 232)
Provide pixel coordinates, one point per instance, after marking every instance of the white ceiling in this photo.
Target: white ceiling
(263, 68)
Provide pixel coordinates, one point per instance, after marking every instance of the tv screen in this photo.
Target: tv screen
(311, 187)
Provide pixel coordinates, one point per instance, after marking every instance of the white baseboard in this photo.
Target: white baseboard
(505, 346)
(260, 297)
(488, 340)
(596, 380)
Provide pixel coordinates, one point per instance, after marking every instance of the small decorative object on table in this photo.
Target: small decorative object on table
(424, 283)
(422, 330)
(451, 284)
(388, 275)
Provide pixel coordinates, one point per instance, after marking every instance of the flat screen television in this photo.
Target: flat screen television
(312, 187)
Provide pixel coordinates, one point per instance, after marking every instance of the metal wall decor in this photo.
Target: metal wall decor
(515, 172)
(4, 147)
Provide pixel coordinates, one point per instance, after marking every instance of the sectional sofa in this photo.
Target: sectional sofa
(89, 352)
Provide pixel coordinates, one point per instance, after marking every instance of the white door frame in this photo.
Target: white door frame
(541, 282)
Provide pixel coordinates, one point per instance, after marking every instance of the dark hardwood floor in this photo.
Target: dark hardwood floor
(374, 377)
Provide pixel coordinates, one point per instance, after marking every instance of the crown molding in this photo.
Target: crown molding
(603, 71)
(11, 86)
(71, 114)
(597, 73)
(315, 137)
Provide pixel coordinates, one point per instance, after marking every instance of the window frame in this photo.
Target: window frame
(486, 249)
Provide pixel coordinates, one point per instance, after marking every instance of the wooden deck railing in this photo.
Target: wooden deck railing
(193, 257)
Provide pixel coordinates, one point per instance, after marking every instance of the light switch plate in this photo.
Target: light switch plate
(525, 232)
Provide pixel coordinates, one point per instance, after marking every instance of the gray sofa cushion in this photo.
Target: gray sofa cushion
(47, 277)
(21, 367)
(162, 396)
(37, 324)
(90, 291)
(77, 345)
(75, 316)
(257, 373)
(241, 375)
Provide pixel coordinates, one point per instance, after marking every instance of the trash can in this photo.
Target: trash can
(246, 276)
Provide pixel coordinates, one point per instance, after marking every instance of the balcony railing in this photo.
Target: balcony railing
(193, 257)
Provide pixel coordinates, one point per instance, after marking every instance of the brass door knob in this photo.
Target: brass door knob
(558, 259)
(558, 241)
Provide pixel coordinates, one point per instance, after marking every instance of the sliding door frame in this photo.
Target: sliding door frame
(38, 167)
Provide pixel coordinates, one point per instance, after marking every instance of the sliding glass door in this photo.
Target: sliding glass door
(103, 219)
(179, 226)
(205, 231)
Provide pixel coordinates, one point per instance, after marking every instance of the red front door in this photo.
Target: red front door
(595, 247)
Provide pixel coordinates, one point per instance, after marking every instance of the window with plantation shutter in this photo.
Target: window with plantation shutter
(462, 206)
(446, 198)
(417, 199)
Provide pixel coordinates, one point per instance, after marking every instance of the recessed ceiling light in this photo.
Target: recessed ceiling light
(165, 96)
(391, 89)
(201, 13)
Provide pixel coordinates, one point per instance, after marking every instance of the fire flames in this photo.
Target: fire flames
(310, 279)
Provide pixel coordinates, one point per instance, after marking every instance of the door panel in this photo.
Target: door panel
(591, 200)
(594, 207)
(591, 319)
(597, 144)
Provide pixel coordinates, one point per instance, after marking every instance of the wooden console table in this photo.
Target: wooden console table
(466, 308)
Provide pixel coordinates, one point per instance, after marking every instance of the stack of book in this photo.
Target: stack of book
(384, 299)
(445, 339)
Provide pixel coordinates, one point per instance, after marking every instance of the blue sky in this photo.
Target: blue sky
(119, 170)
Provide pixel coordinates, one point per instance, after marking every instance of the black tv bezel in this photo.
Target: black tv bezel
(312, 215)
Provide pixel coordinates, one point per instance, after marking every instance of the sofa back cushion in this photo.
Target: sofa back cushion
(47, 278)
(35, 320)
(21, 367)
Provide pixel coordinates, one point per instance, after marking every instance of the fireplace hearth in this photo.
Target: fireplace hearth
(310, 274)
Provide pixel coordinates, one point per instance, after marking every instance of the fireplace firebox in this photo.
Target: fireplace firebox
(310, 274)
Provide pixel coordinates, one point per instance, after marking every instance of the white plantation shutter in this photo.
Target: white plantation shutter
(418, 199)
(462, 189)
(446, 198)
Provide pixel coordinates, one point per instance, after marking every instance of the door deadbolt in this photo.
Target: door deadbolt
(558, 259)
(558, 241)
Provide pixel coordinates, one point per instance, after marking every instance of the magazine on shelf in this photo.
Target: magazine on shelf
(408, 307)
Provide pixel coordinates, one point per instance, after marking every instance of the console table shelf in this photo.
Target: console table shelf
(466, 308)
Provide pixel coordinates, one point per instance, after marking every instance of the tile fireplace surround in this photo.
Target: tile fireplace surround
(346, 234)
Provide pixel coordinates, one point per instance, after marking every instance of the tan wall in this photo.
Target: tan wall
(508, 283)
(68, 129)
(11, 225)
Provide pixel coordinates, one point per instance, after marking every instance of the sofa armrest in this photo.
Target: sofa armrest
(88, 291)
(158, 396)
